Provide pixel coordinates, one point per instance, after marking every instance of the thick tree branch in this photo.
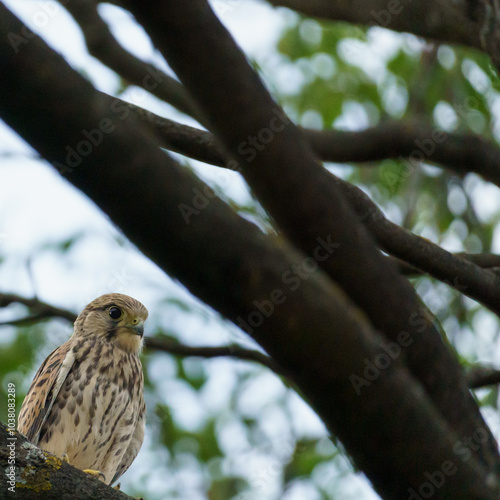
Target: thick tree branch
(421, 255)
(416, 142)
(413, 141)
(464, 275)
(103, 46)
(189, 141)
(466, 22)
(315, 333)
(280, 168)
(36, 474)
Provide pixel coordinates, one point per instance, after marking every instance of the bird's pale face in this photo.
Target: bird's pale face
(115, 318)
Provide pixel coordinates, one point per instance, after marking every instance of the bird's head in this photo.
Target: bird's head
(114, 318)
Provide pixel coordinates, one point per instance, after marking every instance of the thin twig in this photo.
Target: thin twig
(482, 376)
(485, 260)
(43, 311)
(103, 46)
(233, 351)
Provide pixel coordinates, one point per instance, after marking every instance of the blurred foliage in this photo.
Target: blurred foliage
(16, 361)
(212, 424)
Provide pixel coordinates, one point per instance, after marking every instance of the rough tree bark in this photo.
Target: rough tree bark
(39, 474)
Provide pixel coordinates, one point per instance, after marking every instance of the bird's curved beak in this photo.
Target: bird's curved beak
(138, 328)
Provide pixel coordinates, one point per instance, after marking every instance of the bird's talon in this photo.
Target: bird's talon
(117, 487)
(65, 458)
(96, 473)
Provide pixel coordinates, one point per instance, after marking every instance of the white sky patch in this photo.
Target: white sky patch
(254, 37)
(486, 200)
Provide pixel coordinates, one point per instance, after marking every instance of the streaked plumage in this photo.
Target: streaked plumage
(86, 399)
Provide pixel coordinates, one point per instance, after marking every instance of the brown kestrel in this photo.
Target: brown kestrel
(86, 400)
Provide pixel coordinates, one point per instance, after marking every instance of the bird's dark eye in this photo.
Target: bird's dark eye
(115, 313)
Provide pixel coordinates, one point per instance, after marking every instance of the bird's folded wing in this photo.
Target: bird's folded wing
(44, 390)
